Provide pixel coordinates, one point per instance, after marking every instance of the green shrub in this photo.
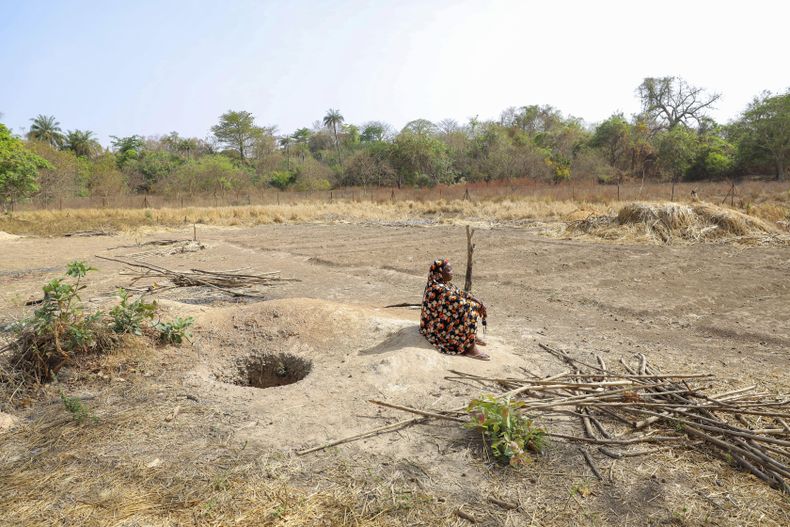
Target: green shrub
(508, 433)
(129, 317)
(174, 332)
(59, 328)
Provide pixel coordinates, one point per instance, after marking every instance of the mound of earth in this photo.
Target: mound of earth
(343, 355)
(7, 236)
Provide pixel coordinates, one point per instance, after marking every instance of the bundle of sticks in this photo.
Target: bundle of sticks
(225, 281)
(645, 405)
(638, 404)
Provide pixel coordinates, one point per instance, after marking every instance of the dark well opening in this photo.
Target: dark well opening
(273, 369)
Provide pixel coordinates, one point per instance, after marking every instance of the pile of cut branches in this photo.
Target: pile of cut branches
(744, 426)
(636, 404)
(226, 281)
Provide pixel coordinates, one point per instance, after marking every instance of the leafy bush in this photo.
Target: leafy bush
(509, 434)
(174, 332)
(128, 317)
(281, 179)
(60, 327)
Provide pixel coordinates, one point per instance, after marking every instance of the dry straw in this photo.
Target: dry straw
(678, 223)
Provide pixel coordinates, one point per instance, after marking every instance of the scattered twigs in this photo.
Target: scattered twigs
(685, 405)
(225, 281)
(637, 404)
(418, 412)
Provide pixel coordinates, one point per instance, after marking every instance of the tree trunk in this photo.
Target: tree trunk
(780, 168)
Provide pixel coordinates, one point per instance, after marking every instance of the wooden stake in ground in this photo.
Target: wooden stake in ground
(470, 249)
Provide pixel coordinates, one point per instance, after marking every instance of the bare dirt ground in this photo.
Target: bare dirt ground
(176, 441)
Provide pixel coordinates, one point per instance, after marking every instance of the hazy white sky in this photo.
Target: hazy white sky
(150, 67)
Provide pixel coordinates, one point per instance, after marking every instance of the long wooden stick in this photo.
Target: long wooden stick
(380, 430)
(644, 439)
(590, 463)
(470, 249)
(417, 411)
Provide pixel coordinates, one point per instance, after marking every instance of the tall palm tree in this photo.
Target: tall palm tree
(46, 129)
(82, 142)
(333, 119)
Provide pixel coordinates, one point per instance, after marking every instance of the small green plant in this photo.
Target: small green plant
(129, 316)
(174, 332)
(75, 407)
(509, 434)
(59, 328)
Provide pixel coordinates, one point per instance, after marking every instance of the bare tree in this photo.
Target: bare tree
(448, 126)
(670, 101)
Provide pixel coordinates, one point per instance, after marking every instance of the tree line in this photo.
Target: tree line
(672, 138)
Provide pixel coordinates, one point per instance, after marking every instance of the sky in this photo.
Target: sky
(151, 67)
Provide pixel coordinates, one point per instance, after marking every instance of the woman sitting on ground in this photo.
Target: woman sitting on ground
(449, 315)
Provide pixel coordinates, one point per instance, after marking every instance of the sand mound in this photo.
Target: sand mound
(6, 236)
(355, 353)
(675, 222)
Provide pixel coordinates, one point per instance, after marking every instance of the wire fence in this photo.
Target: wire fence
(752, 191)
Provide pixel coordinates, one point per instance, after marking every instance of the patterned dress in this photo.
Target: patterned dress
(449, 315)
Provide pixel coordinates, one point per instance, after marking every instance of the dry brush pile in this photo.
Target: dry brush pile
(616, 409)
(676, 222)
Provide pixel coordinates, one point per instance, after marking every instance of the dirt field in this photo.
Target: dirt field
(176, 442)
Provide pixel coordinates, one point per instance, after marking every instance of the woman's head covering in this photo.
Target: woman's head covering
(438, 267)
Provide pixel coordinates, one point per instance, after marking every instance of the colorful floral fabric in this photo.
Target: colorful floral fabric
(449, 316)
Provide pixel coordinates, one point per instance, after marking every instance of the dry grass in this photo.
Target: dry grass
(518, 201)
(675, 222)
(55, 222)
(130, 467)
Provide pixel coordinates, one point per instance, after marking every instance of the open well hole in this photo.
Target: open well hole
(273, 369)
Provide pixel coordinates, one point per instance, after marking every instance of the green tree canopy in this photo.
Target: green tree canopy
(127, 148)
(764, 131)
(18, 168)
(421, 159)
(612, 137)
(677, 149)
(237, 131)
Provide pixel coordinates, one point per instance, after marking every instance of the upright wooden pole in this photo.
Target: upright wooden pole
(470, 249)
